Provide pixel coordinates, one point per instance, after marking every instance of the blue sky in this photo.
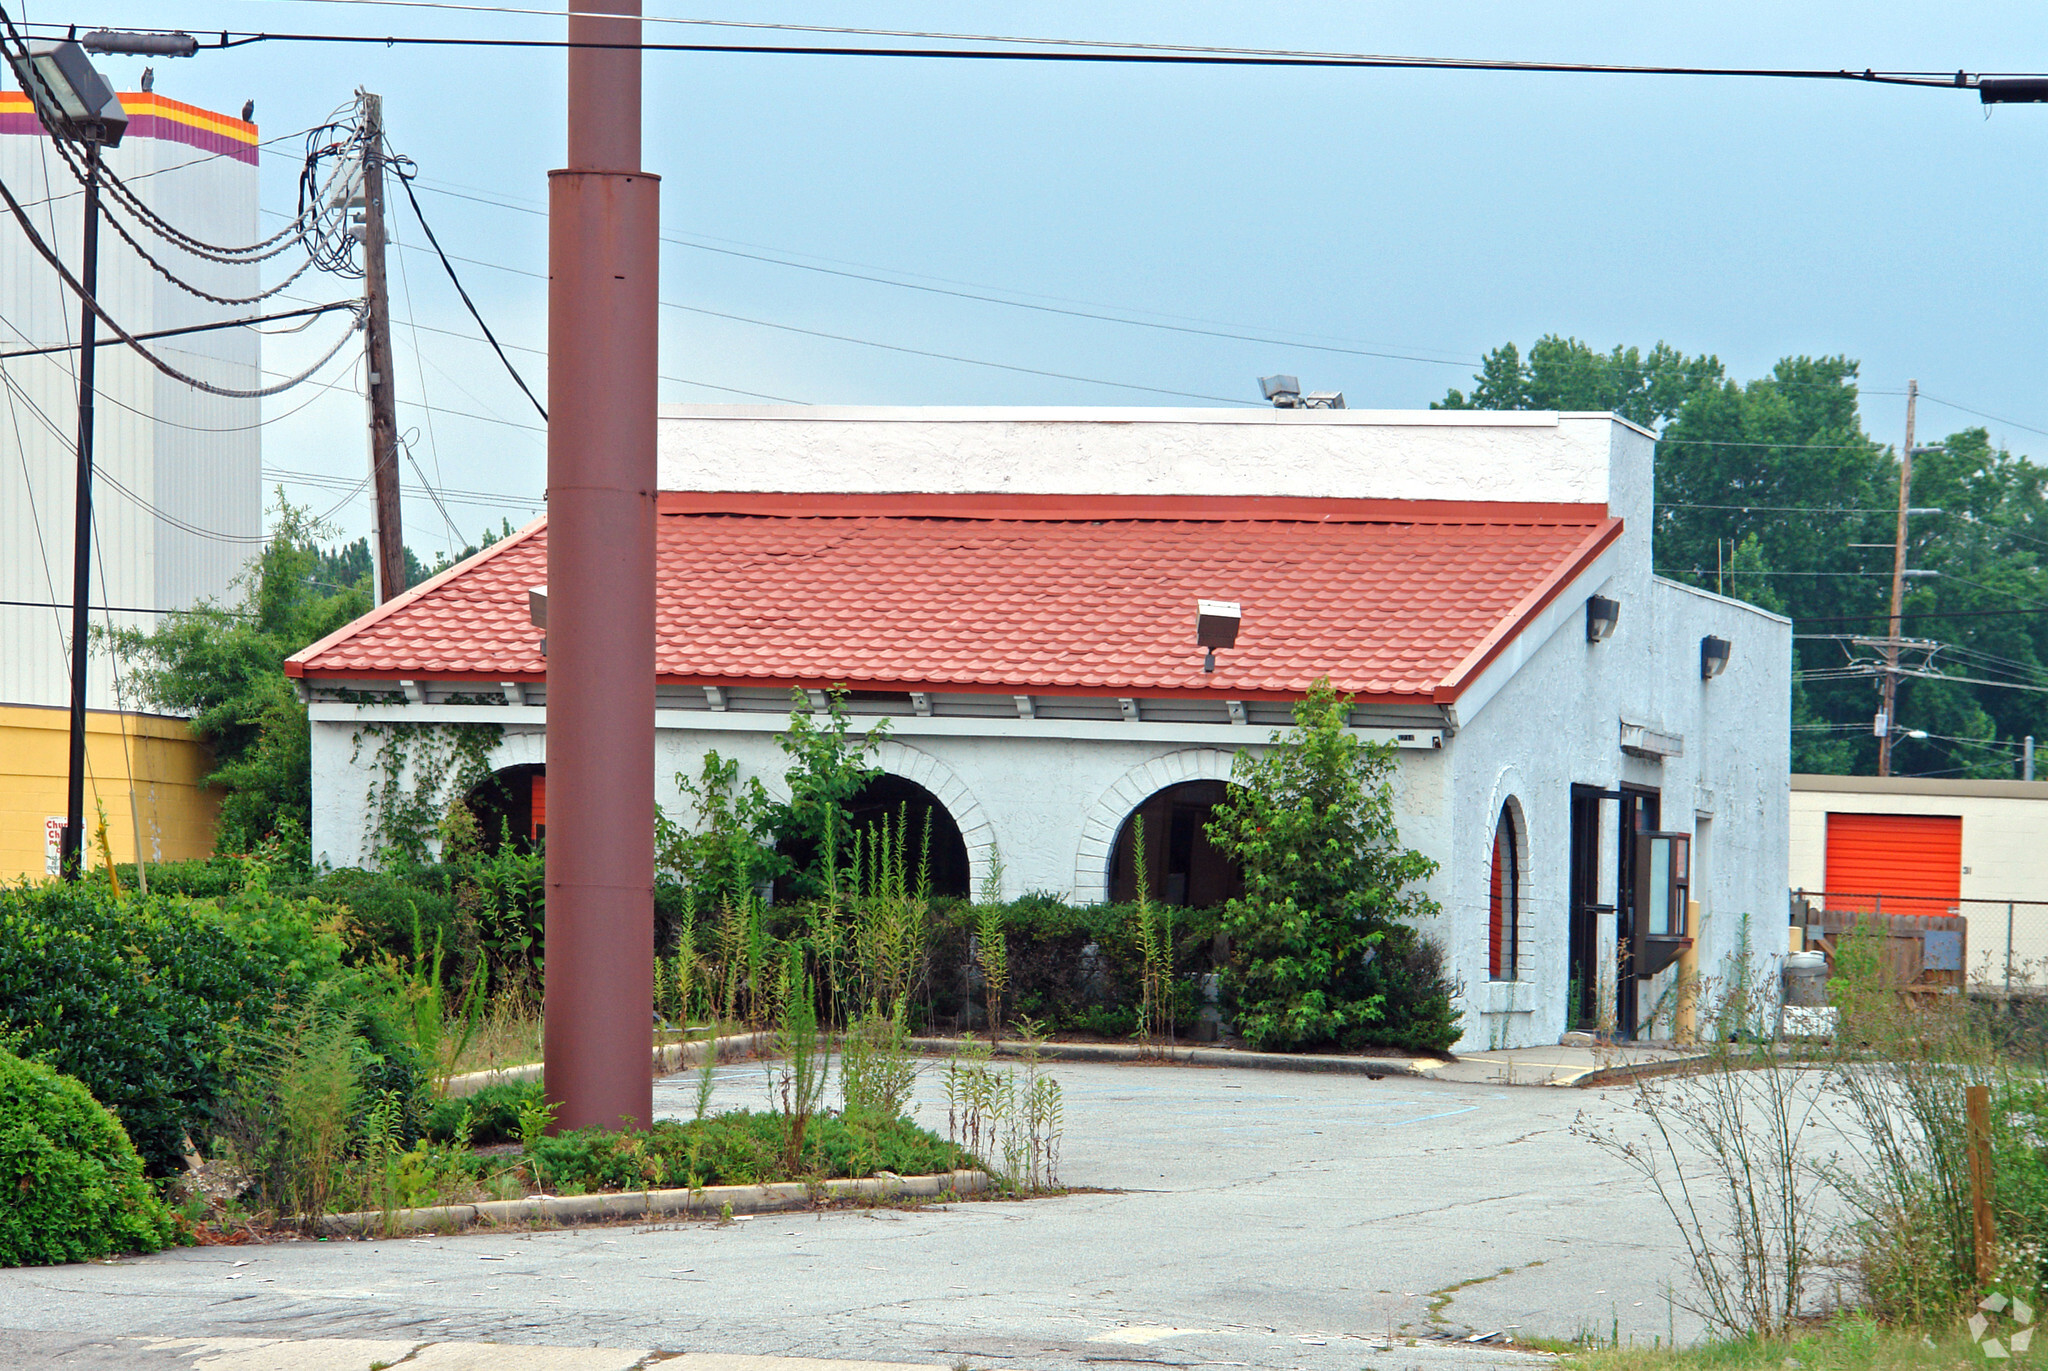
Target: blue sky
(1433, 214)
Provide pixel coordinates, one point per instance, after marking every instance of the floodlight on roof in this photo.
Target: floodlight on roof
(1283, 391)
(71, 98)
(1216, 625)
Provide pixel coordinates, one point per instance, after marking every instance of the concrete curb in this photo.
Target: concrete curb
(1631, 1071)
(707, 1200)
(669, 1057)
(674, 1057)
(1374, 1067)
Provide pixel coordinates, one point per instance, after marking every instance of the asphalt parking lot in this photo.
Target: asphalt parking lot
(1232, 1217)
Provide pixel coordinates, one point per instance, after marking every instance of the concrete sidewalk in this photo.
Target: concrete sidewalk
(1560, 1065)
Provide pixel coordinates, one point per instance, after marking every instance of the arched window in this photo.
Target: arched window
(1182, 867)
(930, 835)
(511, 806)
(1504, 903)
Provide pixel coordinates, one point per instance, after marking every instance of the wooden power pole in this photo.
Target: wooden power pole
(389, 553)
(1889, 710)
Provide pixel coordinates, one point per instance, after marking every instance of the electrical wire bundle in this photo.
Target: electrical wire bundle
(313, 229)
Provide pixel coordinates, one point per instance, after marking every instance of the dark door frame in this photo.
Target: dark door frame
(1586, 909)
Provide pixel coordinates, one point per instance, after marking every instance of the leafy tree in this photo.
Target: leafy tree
(1772, 492)
(225, 667)
(829, 763)
(1566, 374)
(1324, 948)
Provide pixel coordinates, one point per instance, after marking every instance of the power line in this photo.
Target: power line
(971, 290)
(125, 609)
(306, 313)
(402, 167)
(894, 347)
(1108, 54)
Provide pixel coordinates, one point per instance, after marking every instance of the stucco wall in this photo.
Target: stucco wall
(1547, 712)
(1379, 454)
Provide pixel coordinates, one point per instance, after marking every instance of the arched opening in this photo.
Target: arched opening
(511, 804)
(909, 808)
(1182, 866)
(1504, 901)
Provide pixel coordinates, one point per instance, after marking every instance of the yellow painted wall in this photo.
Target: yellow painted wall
(177, 817)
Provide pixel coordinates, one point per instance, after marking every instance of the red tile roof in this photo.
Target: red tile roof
(1041, 595)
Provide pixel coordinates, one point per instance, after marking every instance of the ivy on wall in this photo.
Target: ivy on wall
(422, 769)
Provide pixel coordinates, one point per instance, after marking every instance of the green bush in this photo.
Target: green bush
(148, 1000)
(1325, 951)
(138, 998)
(738, 1148)
(493, 1113)
(1072, 968)
(74, 1184)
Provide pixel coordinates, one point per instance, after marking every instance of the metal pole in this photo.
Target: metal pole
(2027, 760)
(1891, 650)
(81, 537)
(2008, 951)
(603, 270)
(388, 556)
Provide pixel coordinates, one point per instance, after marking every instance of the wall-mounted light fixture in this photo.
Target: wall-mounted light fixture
(1216, 623)
(1602, 614)
(1714, 656)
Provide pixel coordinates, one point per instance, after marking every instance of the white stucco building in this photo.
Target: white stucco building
(1015, 589)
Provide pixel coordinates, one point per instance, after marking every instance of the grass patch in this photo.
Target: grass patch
(1848, 1342)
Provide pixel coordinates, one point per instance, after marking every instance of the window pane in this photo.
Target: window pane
(1660, 887)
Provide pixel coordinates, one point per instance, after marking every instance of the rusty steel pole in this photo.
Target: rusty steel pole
(603, 270)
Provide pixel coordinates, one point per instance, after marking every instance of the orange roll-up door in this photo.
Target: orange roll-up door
(540, 808)
(1914, 860)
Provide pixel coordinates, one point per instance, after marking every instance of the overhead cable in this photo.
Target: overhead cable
(49, 255)
(405, 170)
(1114, 55)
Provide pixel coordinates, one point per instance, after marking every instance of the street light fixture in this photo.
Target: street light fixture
(74, 102)
(71, 98)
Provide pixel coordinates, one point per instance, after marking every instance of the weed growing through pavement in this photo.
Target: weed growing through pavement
(1014, 1121)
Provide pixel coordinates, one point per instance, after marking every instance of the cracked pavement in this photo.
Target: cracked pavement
(1254, 1218)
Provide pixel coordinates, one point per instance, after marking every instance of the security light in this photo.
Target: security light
(1714, 656)
(537, 606)
(1216, 624)
(1323, 399)
(1602, 614)
(1283, 391)
(71, 98)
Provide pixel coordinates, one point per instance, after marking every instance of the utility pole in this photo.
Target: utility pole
(1889, 710)
(604, 267)
(71, 855)
(388, 556)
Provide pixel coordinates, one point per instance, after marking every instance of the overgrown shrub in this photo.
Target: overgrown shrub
(1324, 944)
(140, 999)
(738, 1148)
(74, 1184)
(148, 1000)
(492, 1112)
